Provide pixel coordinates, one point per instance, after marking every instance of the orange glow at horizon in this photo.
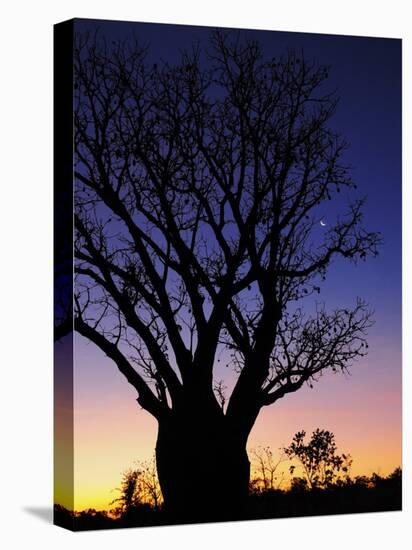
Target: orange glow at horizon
(112, 432)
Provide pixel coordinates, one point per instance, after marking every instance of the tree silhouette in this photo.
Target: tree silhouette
(148, 484)
(318, 458)
(129, 497)
(266, 468)
(139, 489)
(198, 187)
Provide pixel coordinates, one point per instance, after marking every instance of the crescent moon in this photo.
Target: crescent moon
(322, 223)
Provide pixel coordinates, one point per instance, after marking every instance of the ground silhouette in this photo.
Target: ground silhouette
(324, 486)
(360, 495)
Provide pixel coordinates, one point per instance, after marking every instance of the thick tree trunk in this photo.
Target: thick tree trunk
(203, 469)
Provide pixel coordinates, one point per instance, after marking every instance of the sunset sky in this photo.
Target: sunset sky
(362, 409)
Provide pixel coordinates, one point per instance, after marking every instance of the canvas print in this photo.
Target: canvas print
(227, 274)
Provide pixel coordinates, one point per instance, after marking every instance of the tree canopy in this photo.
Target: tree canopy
(198, 188)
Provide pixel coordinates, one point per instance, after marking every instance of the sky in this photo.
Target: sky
(362, 409)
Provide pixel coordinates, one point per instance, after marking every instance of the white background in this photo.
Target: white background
(26, 272)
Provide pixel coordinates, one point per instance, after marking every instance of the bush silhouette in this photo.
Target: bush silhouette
(318, 459)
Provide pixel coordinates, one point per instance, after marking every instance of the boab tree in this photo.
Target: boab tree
(198, 188)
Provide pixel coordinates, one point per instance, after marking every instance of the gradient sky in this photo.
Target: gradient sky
(363, 409)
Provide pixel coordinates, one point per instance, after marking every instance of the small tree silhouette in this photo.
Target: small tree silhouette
(129, 497)
(266, 468)
(139, 487)
(318, 458)
(148, 487)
